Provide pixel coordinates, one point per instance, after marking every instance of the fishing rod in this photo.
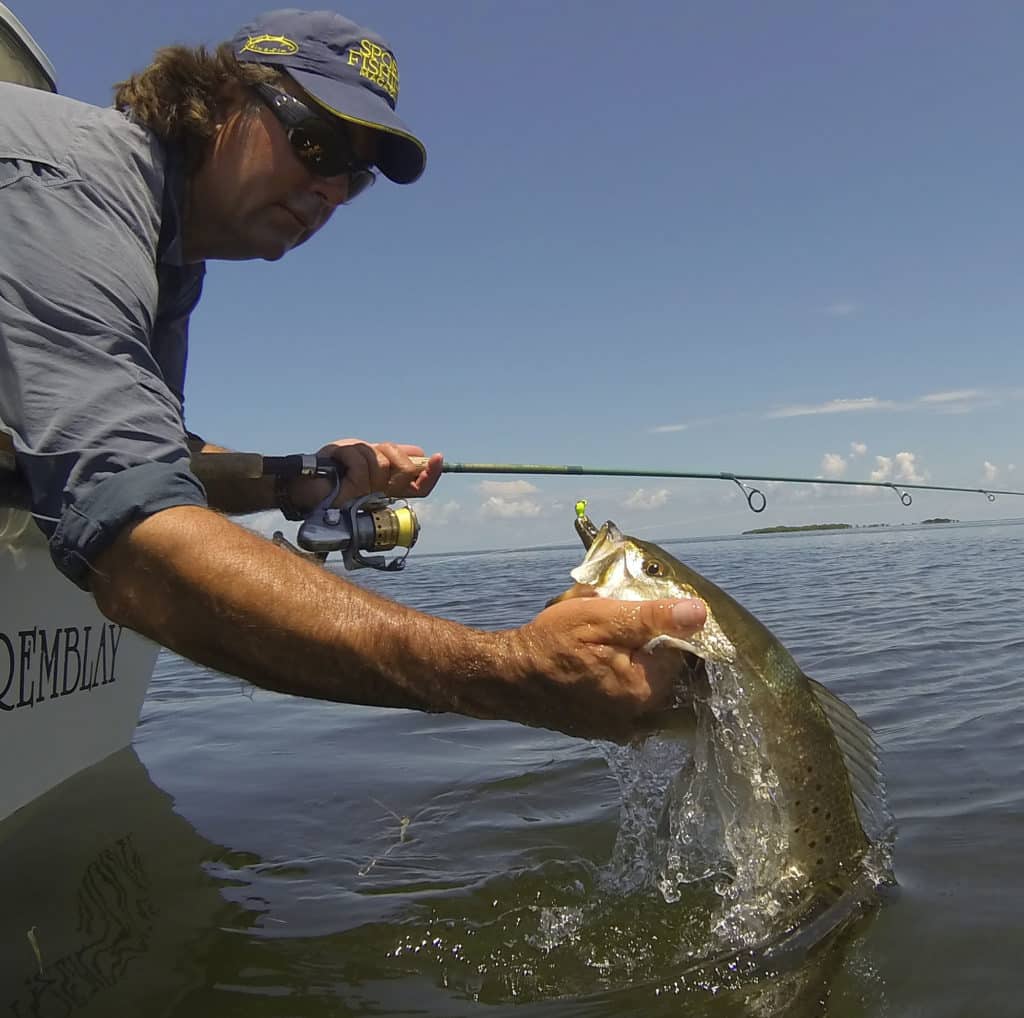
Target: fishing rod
(756, 499)
(234, 465)
(379, 522)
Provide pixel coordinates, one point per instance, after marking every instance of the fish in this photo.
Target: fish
(784, 773)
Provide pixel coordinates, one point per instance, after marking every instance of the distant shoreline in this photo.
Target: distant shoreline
(840, 526)
(669, 540)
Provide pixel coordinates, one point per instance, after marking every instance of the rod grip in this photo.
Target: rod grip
(213, 466)
(244, 465)
(207, 465)
(227, 466)
(6, 452)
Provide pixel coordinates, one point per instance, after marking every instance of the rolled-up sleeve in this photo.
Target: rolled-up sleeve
(98, 431)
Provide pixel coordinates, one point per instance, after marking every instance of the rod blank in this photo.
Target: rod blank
(755, 498)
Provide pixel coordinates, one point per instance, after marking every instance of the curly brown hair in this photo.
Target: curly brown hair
(178, 96)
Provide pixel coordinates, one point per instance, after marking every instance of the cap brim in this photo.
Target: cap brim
(402, 156)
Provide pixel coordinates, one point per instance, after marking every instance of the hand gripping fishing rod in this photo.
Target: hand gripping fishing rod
(373, 522)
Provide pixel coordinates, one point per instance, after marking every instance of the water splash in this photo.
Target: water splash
(713, 815)
(700, 899)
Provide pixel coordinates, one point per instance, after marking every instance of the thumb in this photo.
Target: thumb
(636, 623)
(672, 618)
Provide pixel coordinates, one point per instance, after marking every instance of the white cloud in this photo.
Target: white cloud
(958, 401)
(907, 470)
(883, 469)
(901, 467)
(664, 429)
(437, 514)
(842, 309)
(510, 508)
(954, 396)
(858, 448)
(989, 471)
(643, 499)
(508, 500)
(833, 465)
(834, 406)
(506, 489)
(950, 401)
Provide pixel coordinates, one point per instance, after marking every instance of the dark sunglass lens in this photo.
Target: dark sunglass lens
(324, 151)
(327, 152)
(311, 147)
(358, 182)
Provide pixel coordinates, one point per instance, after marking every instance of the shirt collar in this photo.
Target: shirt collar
(170, 249)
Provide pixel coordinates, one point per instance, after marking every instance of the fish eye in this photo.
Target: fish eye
(653, 568)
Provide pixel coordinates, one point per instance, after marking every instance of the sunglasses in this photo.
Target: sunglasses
(324, 148)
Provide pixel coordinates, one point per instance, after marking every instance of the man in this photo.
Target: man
(108, 217)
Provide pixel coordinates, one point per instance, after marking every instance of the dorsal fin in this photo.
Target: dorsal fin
(862, 757)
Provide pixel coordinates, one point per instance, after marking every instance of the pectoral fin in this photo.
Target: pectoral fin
(576, 590)
(670, 641)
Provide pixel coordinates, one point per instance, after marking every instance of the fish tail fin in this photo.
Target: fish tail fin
(827, 911)
(829, 908)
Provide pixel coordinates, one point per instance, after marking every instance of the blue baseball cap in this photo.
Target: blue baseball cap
(350, 71)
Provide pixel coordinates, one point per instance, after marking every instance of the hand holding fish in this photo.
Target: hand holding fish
(584, 670)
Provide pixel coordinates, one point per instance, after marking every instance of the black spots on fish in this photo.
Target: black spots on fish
(821, 862)
(814, 809)
(818, 785)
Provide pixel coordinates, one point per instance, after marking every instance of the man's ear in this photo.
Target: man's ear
(232, 96)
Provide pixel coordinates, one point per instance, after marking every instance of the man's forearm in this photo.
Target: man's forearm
(213, 592)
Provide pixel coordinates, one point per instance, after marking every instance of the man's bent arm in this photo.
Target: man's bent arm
(226, 598)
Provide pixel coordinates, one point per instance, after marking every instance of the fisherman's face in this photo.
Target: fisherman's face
(252, 197)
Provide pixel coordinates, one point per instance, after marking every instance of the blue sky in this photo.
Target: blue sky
(777, 238)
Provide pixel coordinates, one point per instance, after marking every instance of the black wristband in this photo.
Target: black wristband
(283, 498)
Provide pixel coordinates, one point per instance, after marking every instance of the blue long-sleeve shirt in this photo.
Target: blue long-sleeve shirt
(95, 300)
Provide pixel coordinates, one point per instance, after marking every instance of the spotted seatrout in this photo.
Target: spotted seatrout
(788, 753)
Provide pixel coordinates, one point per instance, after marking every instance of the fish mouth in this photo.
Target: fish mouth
(584, 527)
(604, 547)
(605, 541)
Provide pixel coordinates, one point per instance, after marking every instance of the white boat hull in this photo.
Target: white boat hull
(71, 682)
